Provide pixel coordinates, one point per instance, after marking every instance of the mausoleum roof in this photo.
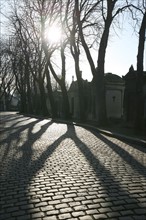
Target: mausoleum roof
(113, 78)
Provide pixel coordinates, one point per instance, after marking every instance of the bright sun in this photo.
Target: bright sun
(53, 35)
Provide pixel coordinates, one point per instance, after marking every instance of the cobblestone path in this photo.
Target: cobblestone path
(53, 171)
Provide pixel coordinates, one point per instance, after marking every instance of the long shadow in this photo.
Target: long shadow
(9, 129)
(27, 150)
(38, 163)
(141, 147)
(125, 155)
(22, 169)
(29, 167)
(14, 136)
(9, 117)
(105, 176)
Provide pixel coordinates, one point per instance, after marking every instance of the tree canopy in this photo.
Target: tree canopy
(44, 35)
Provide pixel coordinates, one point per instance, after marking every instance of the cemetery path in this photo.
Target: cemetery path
(55, 171)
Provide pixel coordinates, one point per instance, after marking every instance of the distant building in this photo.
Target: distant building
(114, 97)
(130, 95)
(74, 99)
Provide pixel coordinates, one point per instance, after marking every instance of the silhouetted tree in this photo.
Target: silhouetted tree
(74, 42)
(27, 26)
(57, 16)
(139, 83)
(103, 14)
(7, 82)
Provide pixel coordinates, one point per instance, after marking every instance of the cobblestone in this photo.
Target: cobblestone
(54, 171)
(87, 217)
(100, 216)
(64, 216)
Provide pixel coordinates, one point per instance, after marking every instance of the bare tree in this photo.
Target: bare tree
(6, 75)
(62, 82)
(103, 14)
(7, 79)
(27, 26)
(57, 16)
(74, 41)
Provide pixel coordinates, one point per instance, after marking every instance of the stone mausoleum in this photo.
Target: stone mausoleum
(115, 86)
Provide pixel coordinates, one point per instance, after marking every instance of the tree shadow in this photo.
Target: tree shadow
(7, 142)
(27, 164)
(141, 146)
(9, 129)
(6, 117)
(19, 167)
(114, 190)
(124, 154)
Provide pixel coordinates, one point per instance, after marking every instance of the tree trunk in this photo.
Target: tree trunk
(80, 90)
(66, 107)
(61, 82)
(50, 94)
(99, 77)
(139, 80)
(44, 109)
(36, 99)
(74, 47)
(29, 95)
(23, 103)
(98, 74)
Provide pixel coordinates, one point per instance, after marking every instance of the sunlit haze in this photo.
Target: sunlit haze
(53, 35)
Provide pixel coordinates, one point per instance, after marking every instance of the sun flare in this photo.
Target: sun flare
(53, 35)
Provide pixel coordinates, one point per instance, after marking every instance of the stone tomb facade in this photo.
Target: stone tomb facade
(114, 97)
